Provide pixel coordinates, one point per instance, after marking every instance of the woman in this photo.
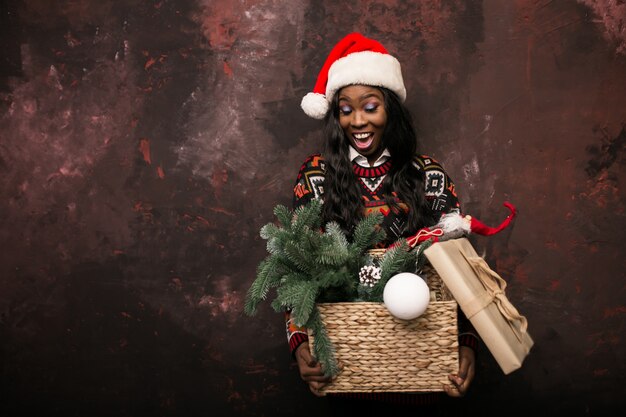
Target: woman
(370, 163)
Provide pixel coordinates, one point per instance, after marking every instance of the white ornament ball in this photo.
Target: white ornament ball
(406, 296)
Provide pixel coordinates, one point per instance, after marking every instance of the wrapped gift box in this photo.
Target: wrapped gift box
(480, 294)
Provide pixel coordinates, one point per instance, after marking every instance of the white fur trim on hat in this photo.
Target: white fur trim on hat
(367, 68)
(315, 105)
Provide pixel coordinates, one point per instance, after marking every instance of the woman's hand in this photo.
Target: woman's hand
(310, 370)
(462, 380)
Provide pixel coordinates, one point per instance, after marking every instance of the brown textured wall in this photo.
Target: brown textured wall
(143, 144)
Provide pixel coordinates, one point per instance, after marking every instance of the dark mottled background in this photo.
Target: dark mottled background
(144, 143)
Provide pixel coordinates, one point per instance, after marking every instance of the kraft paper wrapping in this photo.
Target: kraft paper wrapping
(480, 294)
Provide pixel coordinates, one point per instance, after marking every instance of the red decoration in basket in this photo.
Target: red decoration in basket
(455, 225)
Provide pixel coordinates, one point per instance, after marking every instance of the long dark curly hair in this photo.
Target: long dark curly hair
(342, 196)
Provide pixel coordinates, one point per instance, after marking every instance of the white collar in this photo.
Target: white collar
(360, 160)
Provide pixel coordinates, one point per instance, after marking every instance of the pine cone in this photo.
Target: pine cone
(369, 275)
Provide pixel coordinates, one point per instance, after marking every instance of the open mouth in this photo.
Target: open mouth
(363, 140)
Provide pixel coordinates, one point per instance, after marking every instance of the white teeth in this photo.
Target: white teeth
(362, 136)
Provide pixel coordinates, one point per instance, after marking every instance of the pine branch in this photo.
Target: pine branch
(269, 231)
(419, 253)
(284, 215)
(307, 216)
(323, 349)
(309, 242)
(397, 259)
(292, 277)
(269, 273)
(336, 278)
(302, 259)
(335, 232)
(300, 296)
(367, 233)
(276, 238)
(329, 254)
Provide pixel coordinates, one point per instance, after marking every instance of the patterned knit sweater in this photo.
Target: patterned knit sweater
(439, 193)
(439, 190)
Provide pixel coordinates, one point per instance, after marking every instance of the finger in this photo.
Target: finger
(316, 378)
(316, 388)
(458, 387)
(315, 373)
(463, 389)
(463, 368)
(464, 380)
(452, 391)
(316, 368)
(456, 380)
(466, 361)
(317, 385)
(311, 370)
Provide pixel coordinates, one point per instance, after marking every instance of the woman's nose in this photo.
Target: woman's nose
(358, 119)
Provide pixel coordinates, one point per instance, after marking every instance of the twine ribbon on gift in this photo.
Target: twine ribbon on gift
(494, 285)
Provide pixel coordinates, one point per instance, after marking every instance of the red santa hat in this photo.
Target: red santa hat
(354, 60)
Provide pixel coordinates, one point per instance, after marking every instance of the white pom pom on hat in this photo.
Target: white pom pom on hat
(354, 60)
(315, 105)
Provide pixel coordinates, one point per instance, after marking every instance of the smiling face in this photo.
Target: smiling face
(363, 118)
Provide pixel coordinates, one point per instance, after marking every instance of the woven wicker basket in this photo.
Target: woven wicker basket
(380, 353)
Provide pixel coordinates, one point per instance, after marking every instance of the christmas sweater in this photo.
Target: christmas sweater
(439, 192)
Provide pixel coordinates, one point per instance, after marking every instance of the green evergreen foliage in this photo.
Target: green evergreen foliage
(323, 349)
(397, 259)
(308, 265)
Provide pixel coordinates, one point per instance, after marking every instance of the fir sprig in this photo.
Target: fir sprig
(398, 258)
(323, 348)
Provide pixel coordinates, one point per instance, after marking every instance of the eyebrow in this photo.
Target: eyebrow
(363, 97)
